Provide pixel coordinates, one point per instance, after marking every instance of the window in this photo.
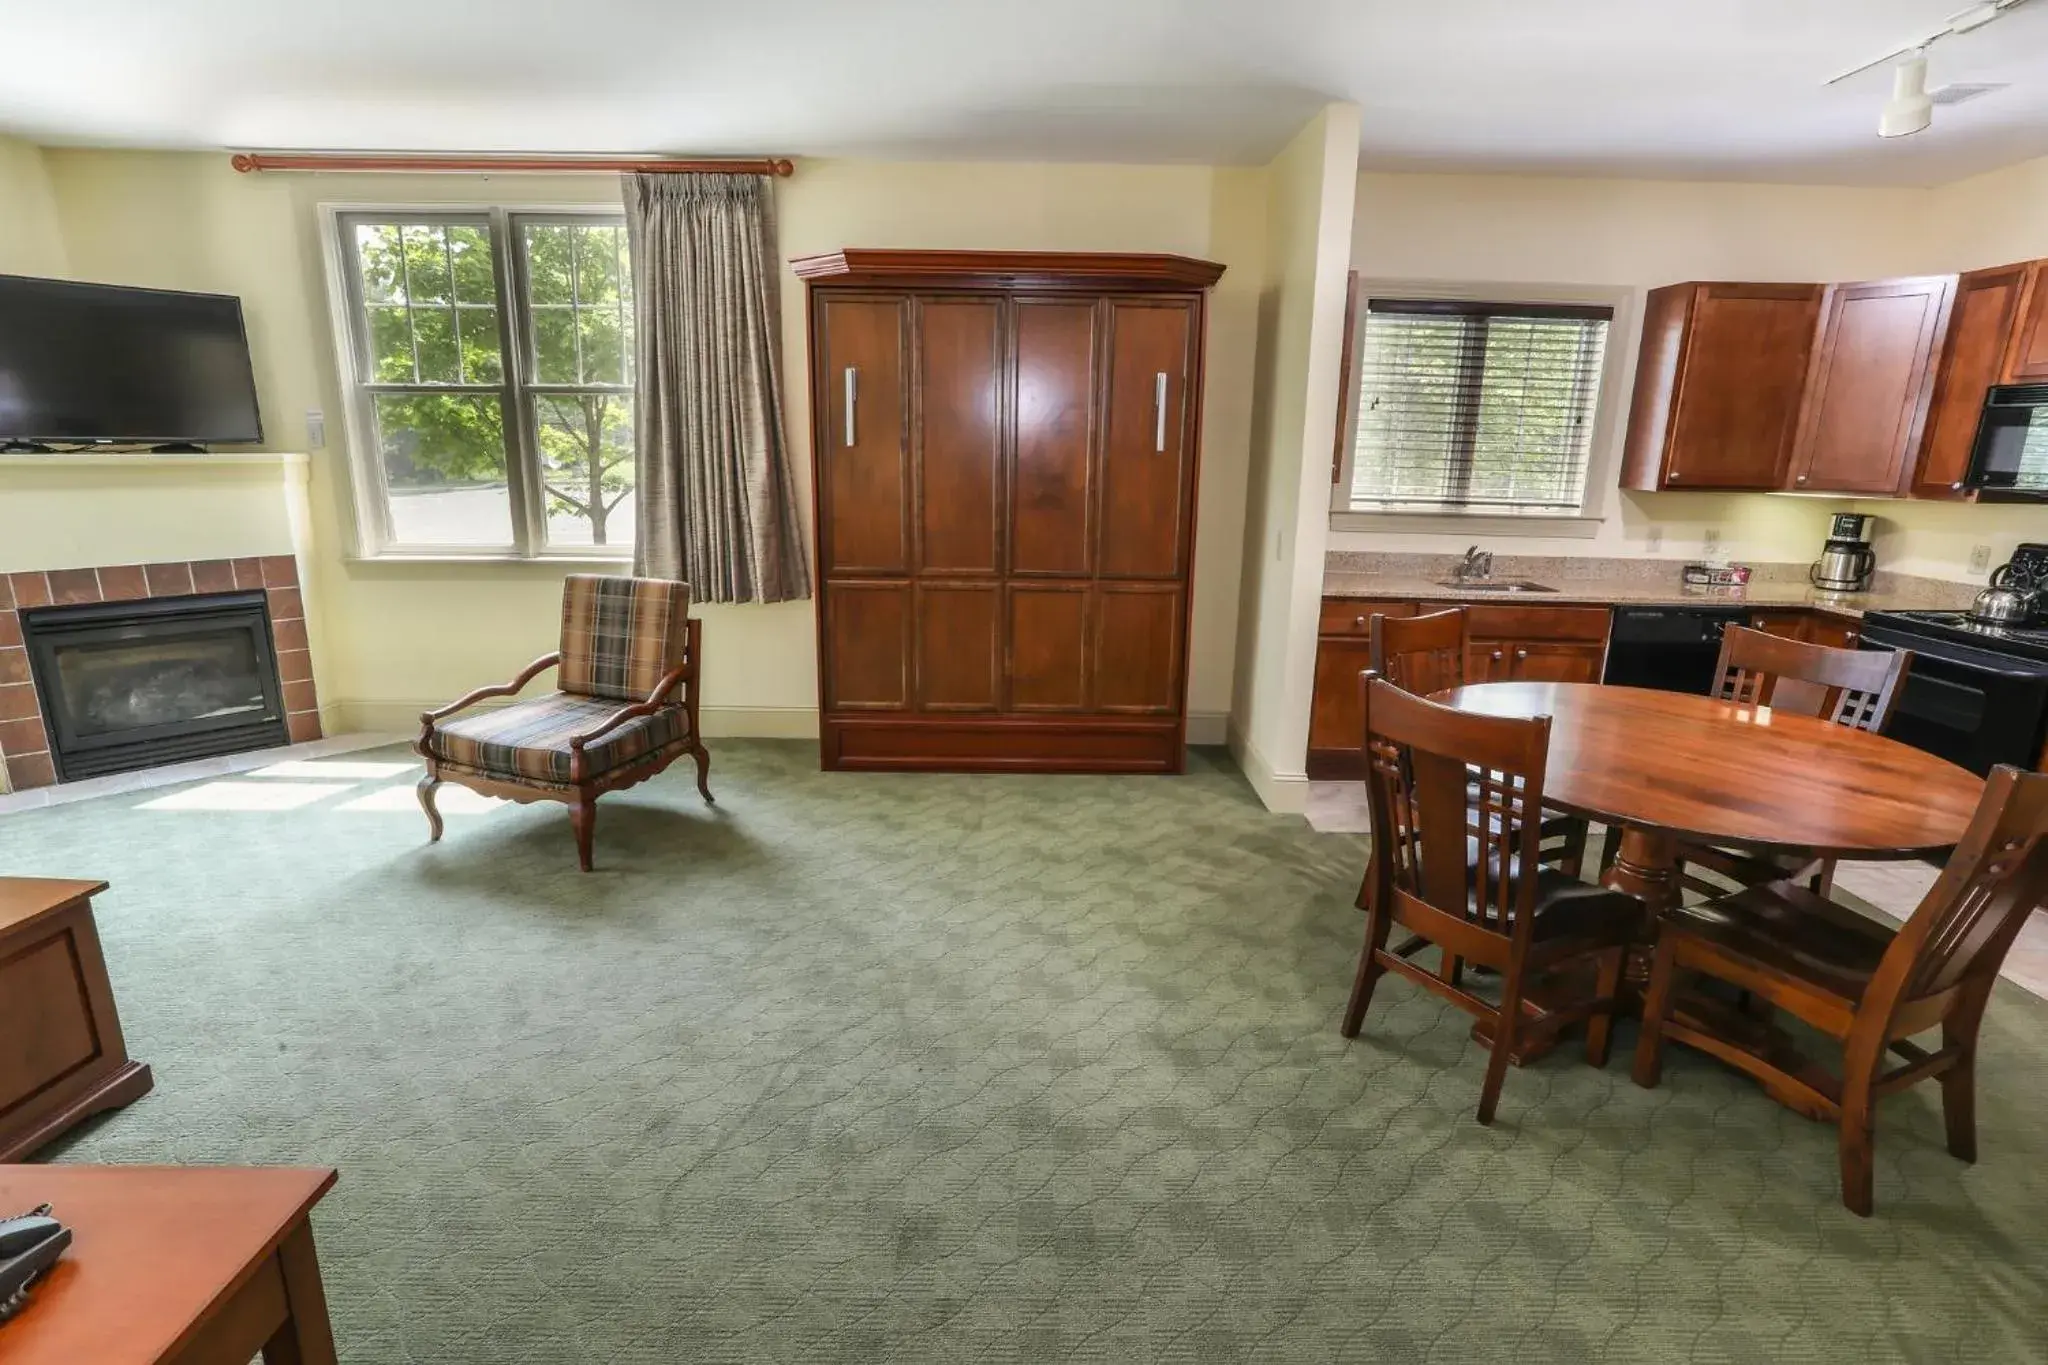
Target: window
(489, 357)
(1466, 407)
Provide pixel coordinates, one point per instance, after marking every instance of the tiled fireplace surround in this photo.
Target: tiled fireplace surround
(25, 747)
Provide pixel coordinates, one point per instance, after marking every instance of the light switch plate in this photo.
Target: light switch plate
(316, 429)
(1980, 558)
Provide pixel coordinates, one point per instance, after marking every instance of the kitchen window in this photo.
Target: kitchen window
(488, 357)
(1464, 407)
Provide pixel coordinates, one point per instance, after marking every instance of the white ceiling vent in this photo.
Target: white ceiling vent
(1957, 92)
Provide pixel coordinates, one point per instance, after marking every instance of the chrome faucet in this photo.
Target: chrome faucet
(1477, 563)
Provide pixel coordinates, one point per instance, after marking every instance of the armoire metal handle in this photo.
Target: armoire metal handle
(1159, 411)
(852, 393)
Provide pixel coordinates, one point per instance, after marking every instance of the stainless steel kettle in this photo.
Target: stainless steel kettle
(2002, 604)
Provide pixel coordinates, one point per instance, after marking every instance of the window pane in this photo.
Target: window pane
(475, 277)
(390, 336)
(604, 355)
(547, 262)
(597, 265)
(426, 264)
(1486, 407)
(481, 363)
(434, 336)
(554, 345)
(378, 252)
(586, 450)
(444, 463)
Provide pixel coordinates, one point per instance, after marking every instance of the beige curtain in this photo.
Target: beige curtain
(716, 504)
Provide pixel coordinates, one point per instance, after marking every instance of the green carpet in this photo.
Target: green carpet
(919, 1068)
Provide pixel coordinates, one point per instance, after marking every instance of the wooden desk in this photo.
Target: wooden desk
(173, 1265)
(61, 1054)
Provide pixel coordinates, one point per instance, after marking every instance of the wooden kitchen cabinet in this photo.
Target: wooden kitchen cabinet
(1980, 330)
(1719, 380)
(1336, 717)
(1535, 644)
(1813, 627)
(2026, 355)
(1869, 384)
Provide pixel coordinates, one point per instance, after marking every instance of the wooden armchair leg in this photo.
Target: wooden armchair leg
(426, 789)
(1600, 1028)
(1378, 924)
(1504, 1026)
(583, 819)
(1857, 1137)
(703, 758)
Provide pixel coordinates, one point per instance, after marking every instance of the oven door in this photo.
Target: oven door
(1972, 707)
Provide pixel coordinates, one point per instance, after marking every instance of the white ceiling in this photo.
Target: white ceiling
(1716, 88)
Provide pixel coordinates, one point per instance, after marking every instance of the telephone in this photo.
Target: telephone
(29, 1245)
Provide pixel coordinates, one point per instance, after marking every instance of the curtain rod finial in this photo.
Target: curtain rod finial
(243, 162)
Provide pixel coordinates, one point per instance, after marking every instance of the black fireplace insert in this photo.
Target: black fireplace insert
(133, 684)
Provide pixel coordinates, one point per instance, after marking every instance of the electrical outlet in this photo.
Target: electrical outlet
(1980, 558)
(316, 429)
(1654, 541)
(1711, 541)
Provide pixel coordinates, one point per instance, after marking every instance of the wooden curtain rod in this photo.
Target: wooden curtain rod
(348, 161)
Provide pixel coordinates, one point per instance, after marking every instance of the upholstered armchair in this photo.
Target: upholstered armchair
(626, 708)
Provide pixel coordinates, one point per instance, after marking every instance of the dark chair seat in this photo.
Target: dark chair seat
(1787, 930)
(529, 740)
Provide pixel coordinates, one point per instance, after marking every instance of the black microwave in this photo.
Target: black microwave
(2011, 454)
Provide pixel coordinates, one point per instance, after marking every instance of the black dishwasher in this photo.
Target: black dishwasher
(1671, 649)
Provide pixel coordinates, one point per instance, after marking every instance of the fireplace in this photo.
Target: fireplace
(133, 684)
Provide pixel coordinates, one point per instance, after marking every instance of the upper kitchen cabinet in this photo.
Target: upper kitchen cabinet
(1868, 386)
(1718, 385)
(1980, 330)
(2026, 358)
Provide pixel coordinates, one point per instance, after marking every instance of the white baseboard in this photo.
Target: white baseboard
(1284, 793)
(1208, 728)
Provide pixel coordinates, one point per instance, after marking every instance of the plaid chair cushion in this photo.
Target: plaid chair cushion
(529, 740)
(621, 635)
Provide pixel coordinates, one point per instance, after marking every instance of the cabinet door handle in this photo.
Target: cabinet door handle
(1159, 411)
(852, 394)
(1956, 487)
(1521, 654)
(1802, 478)
(1358, 621)
(1496, 656)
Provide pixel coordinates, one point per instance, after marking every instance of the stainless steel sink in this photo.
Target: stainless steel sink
(1494, 585)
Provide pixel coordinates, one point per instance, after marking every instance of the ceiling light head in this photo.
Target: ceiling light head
(1909, 110)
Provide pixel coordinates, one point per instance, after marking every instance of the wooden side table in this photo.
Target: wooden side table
(61, 1054)
(173, 1265)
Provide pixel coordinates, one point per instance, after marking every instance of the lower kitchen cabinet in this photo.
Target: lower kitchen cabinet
(1336, 716)
(1814, 627)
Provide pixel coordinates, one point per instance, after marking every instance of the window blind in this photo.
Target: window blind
(1481, 407)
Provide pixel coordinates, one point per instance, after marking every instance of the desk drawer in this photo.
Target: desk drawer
(1536, 623)
(1353, 615)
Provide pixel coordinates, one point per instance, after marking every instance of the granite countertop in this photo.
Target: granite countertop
(1631, 583)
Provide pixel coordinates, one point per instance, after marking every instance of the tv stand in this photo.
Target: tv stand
(25, 448)
(178, 448)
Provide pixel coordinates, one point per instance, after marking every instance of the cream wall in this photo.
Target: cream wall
(31, 242)
(392, 637)
(1308, 206)
(1640, 234)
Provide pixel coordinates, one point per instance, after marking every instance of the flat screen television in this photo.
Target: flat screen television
(105, 363)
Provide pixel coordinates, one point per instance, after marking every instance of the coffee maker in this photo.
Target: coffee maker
(1846, 562)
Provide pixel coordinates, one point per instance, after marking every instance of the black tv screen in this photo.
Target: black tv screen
(99, 362)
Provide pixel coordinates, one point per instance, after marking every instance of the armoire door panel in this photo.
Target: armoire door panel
(959, 443)
(1137, 648)
(867, 646)
(1048, 647)
(959, 646)
(1055, 405)
(1145, 455)
(864, 457)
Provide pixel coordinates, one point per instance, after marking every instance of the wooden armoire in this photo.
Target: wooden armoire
(1004, 449)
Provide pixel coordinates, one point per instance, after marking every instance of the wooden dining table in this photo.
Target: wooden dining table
(1666, 765)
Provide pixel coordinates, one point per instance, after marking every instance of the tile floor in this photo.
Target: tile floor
(1892, 888)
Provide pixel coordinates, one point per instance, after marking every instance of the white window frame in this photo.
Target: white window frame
(1610, 407)
(367, 496)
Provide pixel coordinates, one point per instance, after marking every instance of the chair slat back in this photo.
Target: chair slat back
(1456, 801)
(1853, 687)
(1420, 654)
(1997, 876)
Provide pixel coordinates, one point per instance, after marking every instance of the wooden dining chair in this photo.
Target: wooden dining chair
(1862, 983)
(1426, 654)
(1454, 861)
(1853, 687)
